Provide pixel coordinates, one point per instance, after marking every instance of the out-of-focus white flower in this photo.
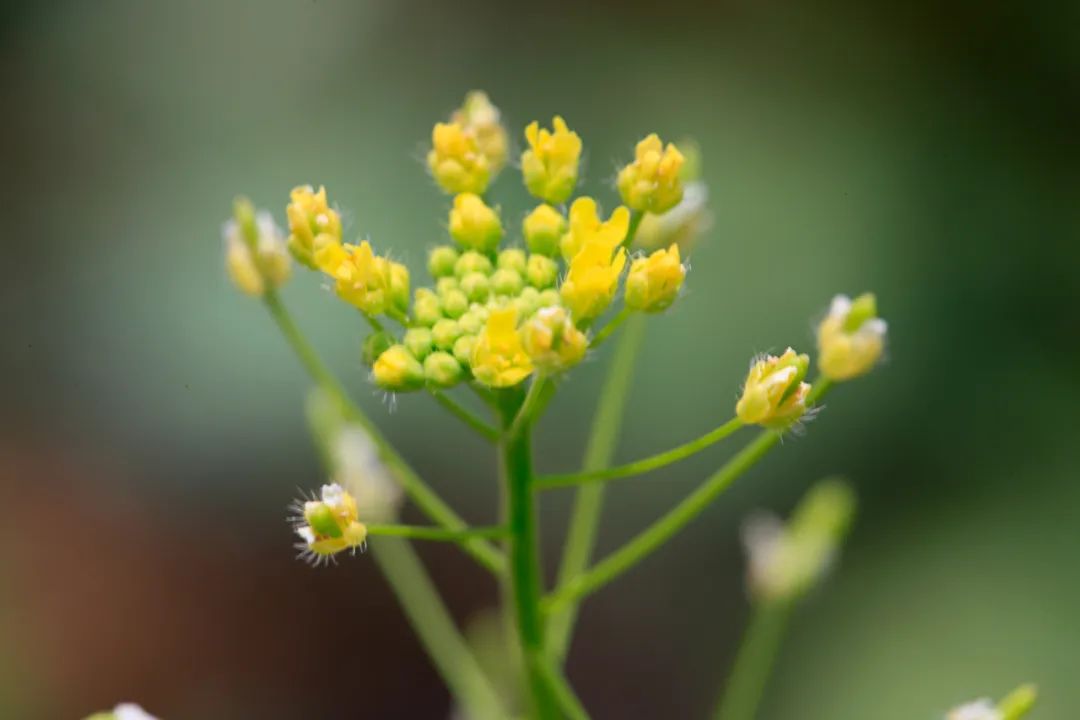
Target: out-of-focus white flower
(983, 709)
(360, 471)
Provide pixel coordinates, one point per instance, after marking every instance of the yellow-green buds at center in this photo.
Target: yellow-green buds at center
(371, 283)
(312, 224)
(328, 524)
(475, 225)
(543, 228)
(653, 282)
(774, 395)
(498, 357)
(456, 161)
(255, 254)
(550, 165)
(851, 338)
(552, 341)
(398, 370)
(652, 182)
(596, 259)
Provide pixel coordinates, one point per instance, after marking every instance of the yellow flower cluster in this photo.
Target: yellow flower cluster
(328, 524)
(312, 224)
(550, 165)
(468, 152)
(255, 254)
(653, 282)
(372, 284)
(653, 182)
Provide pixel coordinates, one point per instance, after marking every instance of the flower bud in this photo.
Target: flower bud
(441, 260)
(543, 228)
(552, 341)
(681, 225)
(427, 309)
(463, 349)
(397, 370)
(418, 341)
(774, 395)
(399, 287)
(498, 358)
(455, 303)
(329, 524)
(506, 282)
(475, 225)
(550, 165)
(1018, 703)
(981, 709)
(472, 261)
(653, 282)
(442, 369)
(652, 182)
(369, 282)
(375, 345)
(851, 338)
(511, 259)
(445, 285)
(472, 321)
(541, 271)
(445, 332)
(480, 119)
(476, 286)
(255, 253)
(456, 162)
(312, 224)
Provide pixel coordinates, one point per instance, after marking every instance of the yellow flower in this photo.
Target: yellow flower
(456, 162)
(652, 182)
(255, 253)
(498, 357)
(481, 119)
(543, 228)
(328, 524)
(552, 341)
(475, 225)
(550, 165)
(682, 224)
(397, 370)
(585, 227)
(774, 395)
(363, 279)
(653, 282)
(312, 224)
(851, 338)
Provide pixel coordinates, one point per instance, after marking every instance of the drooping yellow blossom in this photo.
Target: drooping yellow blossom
(552, 341)
(543, 228)
(312, 224)
(363, 279)
(328, 524)
(774, 395)
(255, 254)
(480, 118)
(653, 282)
(550, 165)
(475, 225)
(498, 357)
(652, 182)
(398, 370)
(456, 162)
(585, 226)
(851, 338)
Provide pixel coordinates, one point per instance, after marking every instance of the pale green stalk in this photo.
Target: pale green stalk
(424, 497)
(438, 534)
(581, 536)
(564, 693)
(466, 416)
(606, 331)
(550, 482)
(754, 661)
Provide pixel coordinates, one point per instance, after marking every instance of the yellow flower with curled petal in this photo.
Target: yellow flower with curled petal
(328, 524)
(481, 119)
(363, 279)
(585, 226)
(456, 161)
(652, 182)
(851, 338)
(653, 282)
(498, 357)
(550, 165)
(774, 395)
(312, 224)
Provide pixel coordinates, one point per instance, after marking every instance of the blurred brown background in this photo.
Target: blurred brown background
(152, 432)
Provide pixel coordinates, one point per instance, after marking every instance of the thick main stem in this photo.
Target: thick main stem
(754, 661)
(526, 583)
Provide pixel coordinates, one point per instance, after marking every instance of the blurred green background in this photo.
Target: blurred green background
(152, 431)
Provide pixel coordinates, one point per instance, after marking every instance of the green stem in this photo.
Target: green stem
(563, 692)
(435, 533)
(635, 221)
(424, 497)
(433, 625)
(754, 661)
(663, 529)
(549, 482)
(581, 536)
(530, 407)
(375, 324)
(525, 577)
(465, 415)
(610, 328)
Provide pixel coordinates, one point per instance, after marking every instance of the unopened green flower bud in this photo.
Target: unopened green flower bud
(441, 260)
(399, 287)
(541, 271)
(445, 284)
(427, 310)
(1018, 703)
(375, 345)
(476, 286)
(475, 225)
(851, 338)
(398, 370)
(472, 261)
(418, 340)
(455, 303)
(511, 259)
(472, 321)
(506, 282)
(442, 369)
(463, 349)
(444, 333)
(774, 395)
(548, 297)
(552, 341)
(543, 228)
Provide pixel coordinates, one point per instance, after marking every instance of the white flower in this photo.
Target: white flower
(362, 473)
(982, 709)
(131, 711)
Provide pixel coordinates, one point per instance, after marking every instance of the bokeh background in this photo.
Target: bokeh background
(152, 431)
